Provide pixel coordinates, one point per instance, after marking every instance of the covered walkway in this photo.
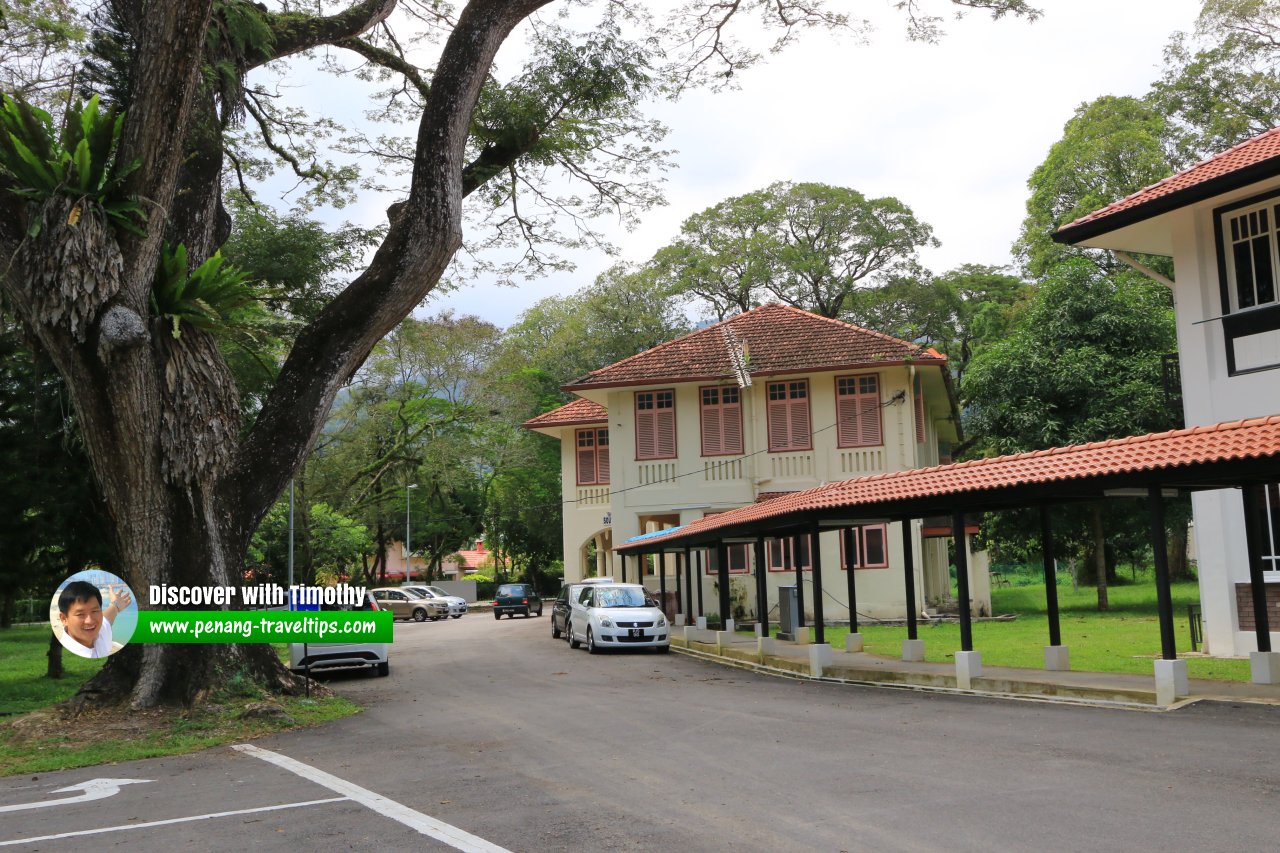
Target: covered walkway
(1243, 455)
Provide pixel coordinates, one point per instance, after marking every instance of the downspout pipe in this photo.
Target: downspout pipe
(1128, 260)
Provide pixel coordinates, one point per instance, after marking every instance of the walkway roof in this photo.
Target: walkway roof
(1225, 455)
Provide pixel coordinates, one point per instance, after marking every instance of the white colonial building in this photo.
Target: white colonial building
(1218, 222)
(771, 401)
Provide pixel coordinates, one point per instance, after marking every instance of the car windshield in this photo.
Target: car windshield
(511, 590)
(437, 590)
(621, 597)
(412, 594)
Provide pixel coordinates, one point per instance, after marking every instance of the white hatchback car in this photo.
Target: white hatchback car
(617, 616)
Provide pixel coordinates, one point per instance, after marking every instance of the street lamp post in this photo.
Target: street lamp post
(408, 565)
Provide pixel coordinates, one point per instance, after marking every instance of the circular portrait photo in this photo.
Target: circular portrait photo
(93, 614)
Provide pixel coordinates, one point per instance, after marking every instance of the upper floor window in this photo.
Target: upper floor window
(858, 410)
(1251, 257)
(655, 424)
(789, 415)
(721, 417)
(1248, 266)
(593, 457)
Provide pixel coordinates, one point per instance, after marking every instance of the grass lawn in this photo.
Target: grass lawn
(1124, 639)
(44, 741)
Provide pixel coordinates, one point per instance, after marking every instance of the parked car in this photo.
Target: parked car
(403, 603)
(616, 615)
(457, 604)
(437, 608)
(513, 598)
(560, 607)
(314, 656)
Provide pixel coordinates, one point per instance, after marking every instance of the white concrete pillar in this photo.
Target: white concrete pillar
(968, 667)
(1057, 658)
(766, 646)
(1264, 667)
(1171, 681)
(853, 643)
(802, 636)
(701, 623)
(913, 650)
(819, 658)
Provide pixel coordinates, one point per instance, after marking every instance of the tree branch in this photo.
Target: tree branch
(421, 241)
(294, 32)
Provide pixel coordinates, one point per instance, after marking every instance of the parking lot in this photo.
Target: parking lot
(491, 733)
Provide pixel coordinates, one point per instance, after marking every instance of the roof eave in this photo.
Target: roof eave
(1254, 173)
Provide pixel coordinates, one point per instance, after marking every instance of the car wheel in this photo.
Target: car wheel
(555, 632)
(419, 615)
(457, 616)
(496, 615)
(662, 650)
(383, 669)
(568, 632)
(539, 613)
(592, 648)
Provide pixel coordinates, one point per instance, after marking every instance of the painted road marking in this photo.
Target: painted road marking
(415, 820)
(94, 789)
(170, 821)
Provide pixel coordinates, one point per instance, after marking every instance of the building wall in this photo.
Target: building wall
(692, 485)
(1211, 396)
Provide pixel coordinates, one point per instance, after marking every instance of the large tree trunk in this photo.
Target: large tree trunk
(183, 487)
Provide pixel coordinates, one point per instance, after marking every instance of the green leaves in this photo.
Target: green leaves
(79, 162)
(206, 298)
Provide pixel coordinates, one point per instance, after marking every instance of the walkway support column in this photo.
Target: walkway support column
(968, 662)
(762, 589)
(1171, 673)
(853, 642)
(795, 555)
(912, 646)
(688, 585)
(662, 579)
(1264, 664)
(680, 611)
(701, 582)
(722, 581)
(1057, 657)
(815, 557)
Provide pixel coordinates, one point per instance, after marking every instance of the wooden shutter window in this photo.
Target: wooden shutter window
(789, 426)
(602, 457)
(858, 410)
(655, 425)
(586, 457)
(593, 457)
(721, 421)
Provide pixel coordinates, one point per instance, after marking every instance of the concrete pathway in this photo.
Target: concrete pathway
(797, 660)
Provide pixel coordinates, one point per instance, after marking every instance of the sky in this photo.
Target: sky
(953, 129)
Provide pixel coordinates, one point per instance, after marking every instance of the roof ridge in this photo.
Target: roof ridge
(663, 345)
(846, 324)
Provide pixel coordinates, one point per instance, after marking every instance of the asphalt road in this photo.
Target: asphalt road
(495, 730)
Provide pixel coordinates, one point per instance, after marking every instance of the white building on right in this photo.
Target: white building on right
(1220, 223)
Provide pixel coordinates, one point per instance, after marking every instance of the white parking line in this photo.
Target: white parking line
(415, 820)
(169, 821)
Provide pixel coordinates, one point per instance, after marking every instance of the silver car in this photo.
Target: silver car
(457, 604)
(617, 616)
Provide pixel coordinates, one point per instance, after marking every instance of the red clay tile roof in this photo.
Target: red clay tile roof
(580, 411)
(779, 339)
(1256, 439)
(1250, 161)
